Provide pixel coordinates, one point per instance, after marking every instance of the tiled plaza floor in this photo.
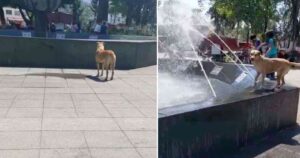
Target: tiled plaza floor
(68, 113)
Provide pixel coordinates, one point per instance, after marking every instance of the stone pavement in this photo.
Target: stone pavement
(284, 144)
(68, 113)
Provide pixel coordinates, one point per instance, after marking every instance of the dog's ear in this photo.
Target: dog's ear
(253, 52)
(258, 54)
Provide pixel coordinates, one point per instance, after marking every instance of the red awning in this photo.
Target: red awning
(58, 17)
(245, 45)
(225, 43)
(17, 21)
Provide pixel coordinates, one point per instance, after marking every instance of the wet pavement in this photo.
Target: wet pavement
(69, 113)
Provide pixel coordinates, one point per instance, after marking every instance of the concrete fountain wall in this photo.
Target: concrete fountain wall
(222, 127)
(71, 53)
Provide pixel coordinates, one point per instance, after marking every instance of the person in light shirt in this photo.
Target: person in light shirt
(97, 28)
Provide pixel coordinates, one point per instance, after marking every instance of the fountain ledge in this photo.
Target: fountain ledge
(214, 131)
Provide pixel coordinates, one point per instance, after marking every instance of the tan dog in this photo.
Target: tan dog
(107, 58)
(265, 66)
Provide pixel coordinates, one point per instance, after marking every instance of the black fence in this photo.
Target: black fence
(72, 35)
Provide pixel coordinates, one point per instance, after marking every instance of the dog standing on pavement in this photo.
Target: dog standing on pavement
(106, 58)
(265, 66)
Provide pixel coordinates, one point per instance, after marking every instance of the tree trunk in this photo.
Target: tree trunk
(129, 17)
(138, 14)
(41, 23)
(129, 12)
(237, 31)
(75, 10)
(102, 10)
(266, 24)
(27, 21)
(115, 17)
(295, 29)
(248, 33)
(2, 18)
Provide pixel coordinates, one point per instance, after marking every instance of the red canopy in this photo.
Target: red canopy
(58, 17)
(226, 43)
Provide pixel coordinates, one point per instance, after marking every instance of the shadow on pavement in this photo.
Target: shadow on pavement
(95, 78)
(263, 148)
(68, 76)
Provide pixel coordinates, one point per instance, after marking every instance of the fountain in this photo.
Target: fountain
(178, 54)
(207, 108)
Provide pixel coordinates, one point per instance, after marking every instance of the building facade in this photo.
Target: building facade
(13, 16)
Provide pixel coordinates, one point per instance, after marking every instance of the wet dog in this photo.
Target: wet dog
(106, 58)
(265, 66)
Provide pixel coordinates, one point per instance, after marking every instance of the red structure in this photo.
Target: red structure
(59, 17)
(224, 43)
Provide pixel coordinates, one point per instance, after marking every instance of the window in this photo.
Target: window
(8, 12)
(17, 13)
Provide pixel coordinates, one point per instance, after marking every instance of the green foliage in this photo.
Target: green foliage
(140, 12)
(86, 17)
(137, 12)
(290, 23)
(94, 6)
(77, 10)
(254, 15)
(118, 6)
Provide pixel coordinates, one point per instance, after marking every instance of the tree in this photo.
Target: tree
(288, 21)
(39, 10)
(94, 7)
(100, 8)
(27, 16)
(253, 15)
(86, 17)
(117, 7)
(148, 12)
(77, 10)
(294, 21)
(139, 11)
(103, 6)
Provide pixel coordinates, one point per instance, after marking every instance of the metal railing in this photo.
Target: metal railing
(71, 35)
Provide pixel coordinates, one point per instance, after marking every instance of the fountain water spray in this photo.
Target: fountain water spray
(243, 65)
(181, 29)
(204, 72)
(179, 17)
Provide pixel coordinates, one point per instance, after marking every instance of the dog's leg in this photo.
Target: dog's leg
(283, 81)
(107, 67)
(262, 80)
(98, 67)
(113, 70)
(279, 77)
(256, 77)
(102, 67)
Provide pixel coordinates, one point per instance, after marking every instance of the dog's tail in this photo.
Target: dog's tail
(115, 60)
(295, 65)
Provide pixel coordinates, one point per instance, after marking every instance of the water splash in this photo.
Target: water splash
(183, 21)
(181, 29)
